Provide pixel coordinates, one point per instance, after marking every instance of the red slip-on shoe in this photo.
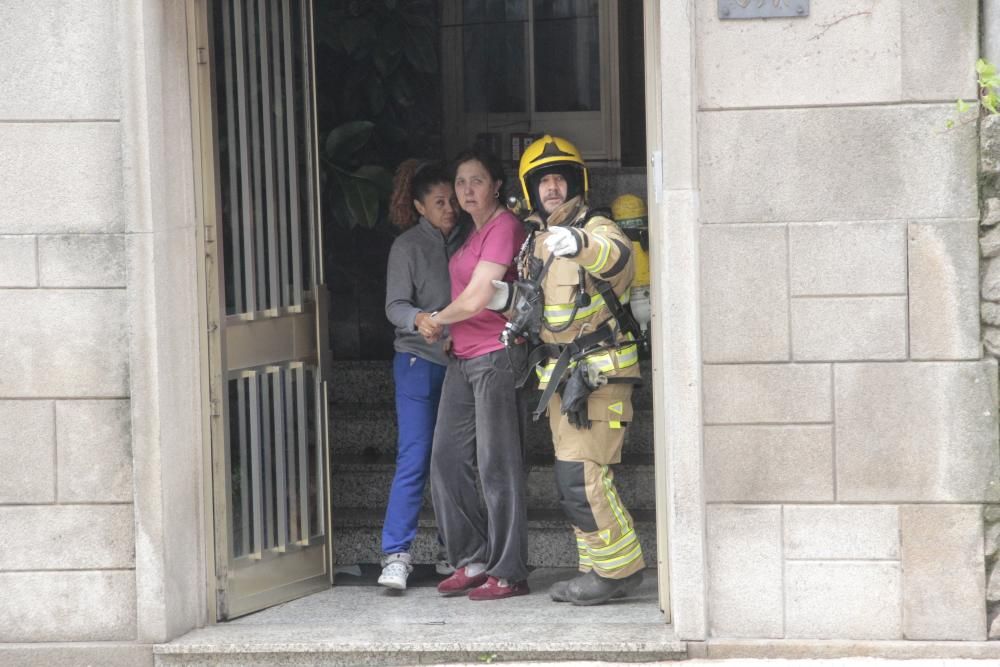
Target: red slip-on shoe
(459, 582)
(498, 589)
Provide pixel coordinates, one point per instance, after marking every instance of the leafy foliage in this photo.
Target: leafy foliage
(378, 99)
(988, 82)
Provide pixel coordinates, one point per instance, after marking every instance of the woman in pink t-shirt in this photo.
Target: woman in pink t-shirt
(479, 421)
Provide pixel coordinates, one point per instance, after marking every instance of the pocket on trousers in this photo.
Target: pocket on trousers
(617, 410)
(416, 381)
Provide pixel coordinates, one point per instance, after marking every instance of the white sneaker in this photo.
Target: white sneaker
(395, 569)
(442, 566)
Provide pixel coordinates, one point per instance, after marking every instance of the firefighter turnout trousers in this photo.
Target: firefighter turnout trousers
(605, 532)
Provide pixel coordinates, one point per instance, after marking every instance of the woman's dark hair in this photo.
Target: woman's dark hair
(484, 157)
(413, 180)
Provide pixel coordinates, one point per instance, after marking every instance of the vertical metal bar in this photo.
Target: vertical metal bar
(307, 109)
(293, 161)
(267, 449)
(320, 468)
(280, 148)
(255, 465)
(280, 454)
(244, 464)
(300, 374)
(247, 209)
(314, 146)
(255, 131)
(232, 224)
(290, 455)
(267, 123)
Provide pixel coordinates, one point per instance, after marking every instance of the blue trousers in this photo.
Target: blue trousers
(418, 392)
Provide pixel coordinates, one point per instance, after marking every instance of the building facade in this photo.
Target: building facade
(826, 417)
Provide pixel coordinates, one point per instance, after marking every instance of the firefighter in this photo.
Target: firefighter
(575, 270)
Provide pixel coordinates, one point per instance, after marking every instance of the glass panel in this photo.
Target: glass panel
(267, 445)
(255, 481)
(292, 138)
(280, 457)
(228, 156)
(301, 446)
(478, 11)
(277, 70)
(564, 9)
(494, 74)
(238, 498)
(313, 452)
(567, 55)
(268, 164)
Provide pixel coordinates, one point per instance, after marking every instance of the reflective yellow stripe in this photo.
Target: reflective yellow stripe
(623, 542)
(625, 356)
(581, 547)
(614, 424)
(612, 495)
(619, 562)
(559, 313)
(602, 256)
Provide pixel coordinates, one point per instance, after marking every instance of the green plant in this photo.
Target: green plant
(358, 192)
(378, 99)
(988, 100)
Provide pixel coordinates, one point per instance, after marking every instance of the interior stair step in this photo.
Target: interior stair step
(369, 430)
(370, 382)
(357, 537)
(363, 482)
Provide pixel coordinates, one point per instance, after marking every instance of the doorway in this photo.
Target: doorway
(299, 437)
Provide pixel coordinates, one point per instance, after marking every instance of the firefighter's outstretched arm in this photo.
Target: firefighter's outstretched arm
(600, 248)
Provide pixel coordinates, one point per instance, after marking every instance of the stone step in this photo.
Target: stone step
(504, 636)
(370, 383)
(357, 537)
(359, 430)
(360, 482)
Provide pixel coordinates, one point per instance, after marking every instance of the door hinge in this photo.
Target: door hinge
(656, 161)
(202, 55)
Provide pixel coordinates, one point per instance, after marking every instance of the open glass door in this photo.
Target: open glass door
(266, 301)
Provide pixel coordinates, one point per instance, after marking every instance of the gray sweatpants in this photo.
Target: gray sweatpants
(479, 420)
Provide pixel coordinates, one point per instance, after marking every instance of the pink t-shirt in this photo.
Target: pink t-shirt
(498, 241)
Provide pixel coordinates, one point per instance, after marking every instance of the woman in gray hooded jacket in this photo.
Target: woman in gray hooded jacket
(417, 284)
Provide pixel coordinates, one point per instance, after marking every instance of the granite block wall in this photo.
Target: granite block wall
(851, 430)
(67, 567)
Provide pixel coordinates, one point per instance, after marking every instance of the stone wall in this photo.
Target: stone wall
(66, 491)
(850, 421)
(989, 244)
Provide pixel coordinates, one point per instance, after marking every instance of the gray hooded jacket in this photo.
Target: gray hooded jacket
(417, 281)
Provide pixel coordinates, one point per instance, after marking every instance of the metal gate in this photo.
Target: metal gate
(266, 301)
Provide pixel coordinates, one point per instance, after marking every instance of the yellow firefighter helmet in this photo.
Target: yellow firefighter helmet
(549, 155)
(629, 211)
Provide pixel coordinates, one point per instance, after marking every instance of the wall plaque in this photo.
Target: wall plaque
(762, 9)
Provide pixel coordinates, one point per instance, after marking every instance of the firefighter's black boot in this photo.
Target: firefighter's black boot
(591, 589)
(559, 591)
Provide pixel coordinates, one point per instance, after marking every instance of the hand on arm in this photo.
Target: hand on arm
(428, 328)
(475, 296)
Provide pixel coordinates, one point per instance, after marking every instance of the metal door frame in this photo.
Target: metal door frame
(292, 331)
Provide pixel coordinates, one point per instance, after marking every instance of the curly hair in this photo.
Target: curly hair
(413, 180)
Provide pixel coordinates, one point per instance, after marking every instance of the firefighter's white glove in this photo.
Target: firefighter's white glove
(500, 300)
(562, 242)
